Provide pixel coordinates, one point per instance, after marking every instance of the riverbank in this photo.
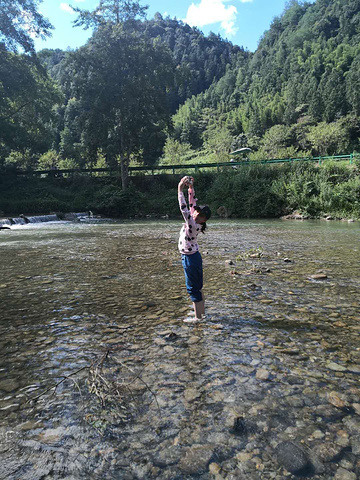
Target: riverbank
(309, 191)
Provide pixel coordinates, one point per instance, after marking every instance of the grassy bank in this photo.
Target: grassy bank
(256, 191)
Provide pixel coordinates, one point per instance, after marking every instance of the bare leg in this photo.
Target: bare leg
(199, 307)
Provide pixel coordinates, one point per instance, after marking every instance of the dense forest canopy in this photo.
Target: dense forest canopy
(298, 90)
(144, 90)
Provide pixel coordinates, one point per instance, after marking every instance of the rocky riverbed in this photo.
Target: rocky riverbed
(267, 387)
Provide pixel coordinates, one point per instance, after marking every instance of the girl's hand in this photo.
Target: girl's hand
(182, 183)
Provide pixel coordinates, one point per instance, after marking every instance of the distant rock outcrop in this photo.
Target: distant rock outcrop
(223, 212)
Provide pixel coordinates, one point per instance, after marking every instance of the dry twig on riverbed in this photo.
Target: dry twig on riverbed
(114, 392)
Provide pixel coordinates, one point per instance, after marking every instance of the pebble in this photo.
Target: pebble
(295, 401)
(52, 435)
(353, 368)
(243, 457)
(168, 455)
(165, 333)
(214, 468)
(352, 425)
(216, 326)
(30, 425)
(191, 394)
(169, 349)
(192, 340)
(262, 374)
(343, 474)
(337, 400)
(9, 385)
(336, 367)
(355, 444)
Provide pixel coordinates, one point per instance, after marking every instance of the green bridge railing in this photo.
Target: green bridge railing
(186, 167)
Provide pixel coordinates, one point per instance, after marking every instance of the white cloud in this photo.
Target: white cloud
(66, 8)
(208, 12)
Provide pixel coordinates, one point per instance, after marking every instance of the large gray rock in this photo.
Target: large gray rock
(223, 212)
(168, 455)
(196, 459)
(294, 459)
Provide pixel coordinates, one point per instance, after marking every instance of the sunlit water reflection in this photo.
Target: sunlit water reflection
(278, 355)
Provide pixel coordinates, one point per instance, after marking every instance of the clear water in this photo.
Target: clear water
(276, 345)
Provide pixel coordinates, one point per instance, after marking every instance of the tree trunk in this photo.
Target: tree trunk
(124, 169)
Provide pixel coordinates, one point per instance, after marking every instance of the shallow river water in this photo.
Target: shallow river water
(101, 378)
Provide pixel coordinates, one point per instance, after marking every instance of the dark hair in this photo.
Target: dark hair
(203, 225)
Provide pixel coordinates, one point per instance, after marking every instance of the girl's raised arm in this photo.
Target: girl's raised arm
(182, 202)
(192, 199)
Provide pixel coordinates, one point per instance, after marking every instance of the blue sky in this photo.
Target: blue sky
(240, 21)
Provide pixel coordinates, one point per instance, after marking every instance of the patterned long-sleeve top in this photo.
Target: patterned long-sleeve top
(188, 235)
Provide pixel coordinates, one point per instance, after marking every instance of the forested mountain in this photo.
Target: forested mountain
(304, 75)
(199, 60)
(111, 101)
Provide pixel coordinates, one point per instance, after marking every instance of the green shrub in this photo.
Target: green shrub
(248, 191)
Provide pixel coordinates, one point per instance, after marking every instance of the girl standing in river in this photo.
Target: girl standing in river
(195, 222)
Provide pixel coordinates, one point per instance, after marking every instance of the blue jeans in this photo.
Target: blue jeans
(193, 275)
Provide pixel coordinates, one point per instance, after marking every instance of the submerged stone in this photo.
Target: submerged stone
(337, 400)
(343, 474)
(52, 435)
(168, 455)
(262, 374)
(336, 367)
(9, 385)
(294, 459)
(196, 459)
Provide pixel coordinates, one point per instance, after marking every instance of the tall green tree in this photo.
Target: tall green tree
(20, 21)
(26, 93)
(119, 80)
(27, 97)
(110, 11)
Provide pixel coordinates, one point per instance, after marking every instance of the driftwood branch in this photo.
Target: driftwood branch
(107, 390)
(66, 377)
(137, 376)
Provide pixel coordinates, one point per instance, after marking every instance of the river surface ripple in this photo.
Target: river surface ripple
(267, 385)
